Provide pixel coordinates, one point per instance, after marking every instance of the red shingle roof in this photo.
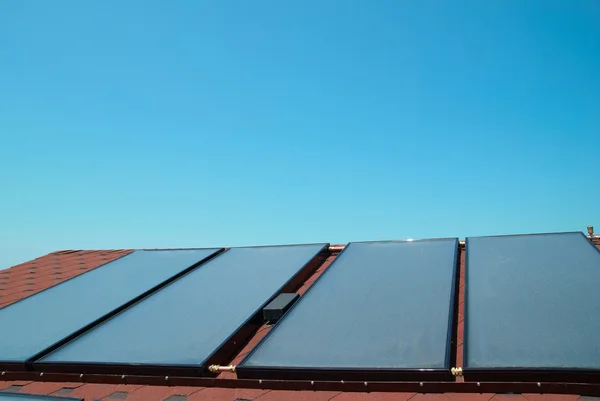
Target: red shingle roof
(31, 277)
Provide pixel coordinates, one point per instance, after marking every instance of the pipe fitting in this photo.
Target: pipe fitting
(456, 371)
(219, 368)
(336, 248)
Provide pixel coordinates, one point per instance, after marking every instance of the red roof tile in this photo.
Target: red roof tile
(92, 392)
(5, 385)
(160, 393)
(429, 397)
(218, 394)
(279, 395)
(469, 397)
(551, 397)
(373, 396)
(31, 277)
(48, 388)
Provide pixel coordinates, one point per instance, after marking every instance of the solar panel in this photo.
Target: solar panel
(37, 323)
(532, 308)
(5, 396)
(381, 311)
(193, 322)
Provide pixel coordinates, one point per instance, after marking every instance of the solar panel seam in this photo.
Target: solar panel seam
(314, 284)
(466, 307)
(453, 314)
(291, 285)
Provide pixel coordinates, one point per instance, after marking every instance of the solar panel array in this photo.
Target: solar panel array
(37, 323)
(383, 310)
(183, 324)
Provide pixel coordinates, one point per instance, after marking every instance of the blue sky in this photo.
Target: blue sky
(203, 123)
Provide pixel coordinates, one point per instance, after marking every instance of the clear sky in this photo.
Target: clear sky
(128, 124)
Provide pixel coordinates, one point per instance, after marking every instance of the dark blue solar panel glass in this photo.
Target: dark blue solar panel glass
(379, 305)
(185, 322)
(532, 301)
(35, 323)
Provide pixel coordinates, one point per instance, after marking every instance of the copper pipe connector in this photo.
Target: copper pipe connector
(336, 248)
(456, 371)
(219, 368)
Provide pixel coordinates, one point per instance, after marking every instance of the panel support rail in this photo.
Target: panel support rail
(588, 389)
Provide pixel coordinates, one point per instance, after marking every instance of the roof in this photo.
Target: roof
(36, 275)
